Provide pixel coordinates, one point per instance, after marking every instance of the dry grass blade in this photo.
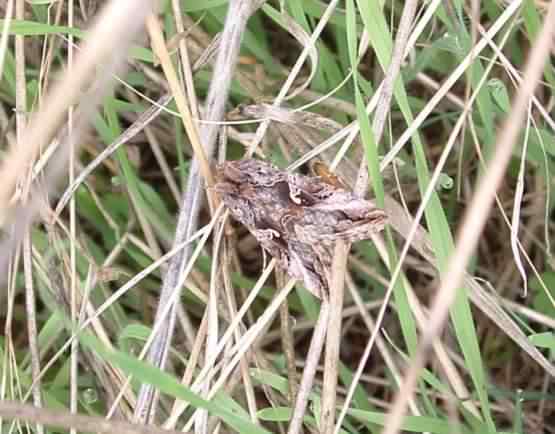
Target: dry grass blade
(292, 83)
(67, 420)
(333, 337)
(118, 20)
(5, 33)
(321, 328)
(261, 130)
(312, 360)
(299, 33)
(30, 299)
(386, 91)
(507, 14)
(287, 340)
(239, 12)
(475, 217)
(477, 294)
(144, 119)
(342, 249)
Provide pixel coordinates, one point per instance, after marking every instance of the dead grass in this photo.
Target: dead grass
(116, 248)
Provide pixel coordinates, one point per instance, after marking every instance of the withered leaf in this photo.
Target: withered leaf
(296, 218)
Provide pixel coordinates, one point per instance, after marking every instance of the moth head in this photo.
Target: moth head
(238, 205)
(260, 173)
(230, 171)
(225, 189)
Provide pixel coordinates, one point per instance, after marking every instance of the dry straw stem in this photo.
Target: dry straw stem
(321, 326)
(161, 51)
(333, 336)
(240, 349)
(386, 93)
(475, 218)
(287, 340)
(67, 420)
(120, 21)
(205, 373)
(232, 308)
(142, 121)
(185, 62)
(342, 249)
(410, 236)
(480, 297)
(5, 34)
(238, 14)
(307, 49)
(312, 360)
(74, 309)
(21, 118)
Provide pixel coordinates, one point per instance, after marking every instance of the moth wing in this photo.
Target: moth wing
(270, 240)
(350, 205)
(327, 231)
(298, 269)
(359, 231)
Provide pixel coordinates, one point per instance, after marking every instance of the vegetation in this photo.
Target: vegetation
(124, 275)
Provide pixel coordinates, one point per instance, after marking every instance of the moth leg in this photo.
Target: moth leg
(299, 270)
(264, 258)
(267, 239)
(264, 235)
(294, 189)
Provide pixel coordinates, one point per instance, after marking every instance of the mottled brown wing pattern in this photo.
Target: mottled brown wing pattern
(296, 218)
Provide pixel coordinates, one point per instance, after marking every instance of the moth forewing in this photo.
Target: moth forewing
(297, 228)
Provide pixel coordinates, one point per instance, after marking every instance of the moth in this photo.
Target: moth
(296, 218)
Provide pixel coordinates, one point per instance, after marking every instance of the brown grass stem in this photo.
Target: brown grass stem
(475, 217)
(238, 14)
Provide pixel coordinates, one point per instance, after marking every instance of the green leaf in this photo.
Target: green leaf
(33, 28)
(133, 332)
(413, 423)
(275, 381)
(166, 383)
(542, 301)
(500, 94)
(543, 340)
(276, 414)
